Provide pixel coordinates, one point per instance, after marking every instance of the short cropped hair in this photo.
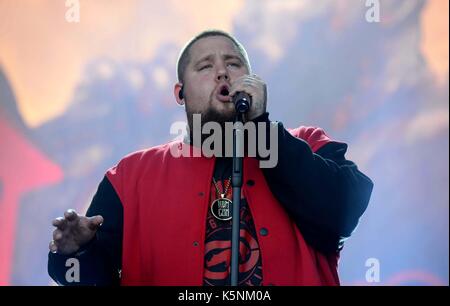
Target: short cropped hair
(183, 58)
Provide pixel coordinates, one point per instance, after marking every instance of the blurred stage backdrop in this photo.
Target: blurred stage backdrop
(77, 96)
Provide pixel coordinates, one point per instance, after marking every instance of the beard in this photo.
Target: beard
(209, 115)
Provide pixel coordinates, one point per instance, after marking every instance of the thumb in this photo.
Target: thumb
(95, 222)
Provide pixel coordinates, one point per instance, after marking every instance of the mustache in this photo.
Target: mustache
(210, 114)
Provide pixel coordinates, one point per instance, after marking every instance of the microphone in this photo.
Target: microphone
(242, 102)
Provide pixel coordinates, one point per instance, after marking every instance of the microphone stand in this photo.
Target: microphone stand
(242, 107)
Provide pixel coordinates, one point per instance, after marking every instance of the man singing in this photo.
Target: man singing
(161, 219)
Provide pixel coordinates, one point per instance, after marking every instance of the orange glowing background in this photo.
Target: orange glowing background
(36, 39)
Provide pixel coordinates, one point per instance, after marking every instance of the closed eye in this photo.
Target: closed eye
(234, 64)
(204, 67)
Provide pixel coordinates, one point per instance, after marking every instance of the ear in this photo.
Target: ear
(176, 91)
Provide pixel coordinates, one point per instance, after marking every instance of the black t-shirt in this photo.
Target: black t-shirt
(218, 238)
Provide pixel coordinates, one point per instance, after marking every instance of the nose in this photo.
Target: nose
(222, 74)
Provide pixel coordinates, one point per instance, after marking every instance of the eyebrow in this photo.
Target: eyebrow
(209, 57)
(230, 56)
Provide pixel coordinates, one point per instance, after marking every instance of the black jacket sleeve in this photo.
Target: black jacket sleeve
(100, 260)
(323, 192)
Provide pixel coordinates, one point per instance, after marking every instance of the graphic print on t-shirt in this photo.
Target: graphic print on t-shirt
(218, 248)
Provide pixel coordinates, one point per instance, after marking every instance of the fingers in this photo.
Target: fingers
(59, 223)
(52, 247)
(70, 215)
(70, 231)
(57, 235)
(95, 222)
(247, 83)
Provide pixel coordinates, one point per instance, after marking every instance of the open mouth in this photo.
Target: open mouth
(223, 93)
